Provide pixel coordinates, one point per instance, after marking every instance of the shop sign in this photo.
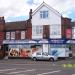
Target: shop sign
(57, 41)
(18, 41)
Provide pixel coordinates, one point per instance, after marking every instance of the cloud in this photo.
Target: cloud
(17, 8)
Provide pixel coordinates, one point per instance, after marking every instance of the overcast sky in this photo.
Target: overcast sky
(14, 10)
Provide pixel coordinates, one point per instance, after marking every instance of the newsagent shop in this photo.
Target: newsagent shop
(25, 48)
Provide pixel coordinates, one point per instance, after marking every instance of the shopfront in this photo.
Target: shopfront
(22, 48)
(25, 48)
(59, 47)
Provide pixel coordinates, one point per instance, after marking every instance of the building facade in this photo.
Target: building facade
(45, 30)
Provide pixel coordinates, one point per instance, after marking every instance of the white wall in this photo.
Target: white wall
(45, 48)
(52, 19)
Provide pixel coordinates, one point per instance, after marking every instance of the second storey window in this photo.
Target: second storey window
(7, 35)
(38, 30)
(43, 14)
(55, 31)
(12, 35)
(22, 34)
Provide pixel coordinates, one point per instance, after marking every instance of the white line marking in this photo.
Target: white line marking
(49, 72)
(21, 71)
(20, 74)
(7, 70)
(73, 74)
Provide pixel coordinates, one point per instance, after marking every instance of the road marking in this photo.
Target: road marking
(7, 70)
(44, 69)
(20, 74)
(21, 71)
(73, 74)
(49, 72)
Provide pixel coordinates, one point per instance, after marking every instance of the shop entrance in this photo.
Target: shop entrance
(6, 49)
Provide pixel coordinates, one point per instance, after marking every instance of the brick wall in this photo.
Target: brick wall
(66, 25)
(2, 27)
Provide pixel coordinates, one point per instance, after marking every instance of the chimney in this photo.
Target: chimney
(2, 18)
(30, 14)
(2, 24)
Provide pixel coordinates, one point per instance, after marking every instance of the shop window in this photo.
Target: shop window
(7, 35)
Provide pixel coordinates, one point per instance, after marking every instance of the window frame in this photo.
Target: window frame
(8, 35)
(44, 14)
(12, 36)
(37, 30)
(23, 34)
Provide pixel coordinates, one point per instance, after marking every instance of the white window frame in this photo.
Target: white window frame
(55, 31)
(44, 14)
(22, 34)
(37, 32)
(13, 35)
(7, 35)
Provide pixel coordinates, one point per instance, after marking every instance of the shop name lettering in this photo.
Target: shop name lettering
(14, 41)
(57, 41)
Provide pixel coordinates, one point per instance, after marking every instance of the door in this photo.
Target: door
(45, 56)
(39, 55)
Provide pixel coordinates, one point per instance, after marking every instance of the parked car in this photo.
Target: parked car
(43, 56)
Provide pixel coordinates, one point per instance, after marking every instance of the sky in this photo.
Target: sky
(15, 10)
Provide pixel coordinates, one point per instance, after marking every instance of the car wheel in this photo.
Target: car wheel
(34, 59)
(52, 59)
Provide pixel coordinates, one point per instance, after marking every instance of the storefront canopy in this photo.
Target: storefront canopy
(24, 41)
(43, 41)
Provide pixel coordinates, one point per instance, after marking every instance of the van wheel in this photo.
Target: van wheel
(34, 59)
(52, 59)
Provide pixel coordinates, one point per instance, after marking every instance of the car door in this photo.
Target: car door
(45, 56)
(39, 55)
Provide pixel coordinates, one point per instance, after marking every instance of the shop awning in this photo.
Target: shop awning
(25, 41)
(19, 42)
(57, 41)
(72, 41)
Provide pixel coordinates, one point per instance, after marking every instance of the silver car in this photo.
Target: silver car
(43, 56)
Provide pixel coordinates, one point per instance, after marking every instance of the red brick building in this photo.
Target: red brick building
(66, 28)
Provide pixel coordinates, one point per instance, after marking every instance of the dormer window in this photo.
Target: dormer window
(43, 14)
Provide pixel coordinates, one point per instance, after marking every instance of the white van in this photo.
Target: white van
(43, 56)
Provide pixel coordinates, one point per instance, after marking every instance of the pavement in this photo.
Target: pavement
(29, 67)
